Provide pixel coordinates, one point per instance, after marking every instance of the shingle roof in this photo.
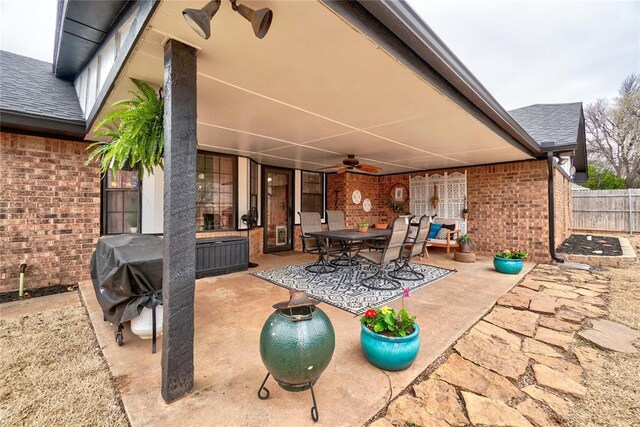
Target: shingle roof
(29, 88)
(550, 124)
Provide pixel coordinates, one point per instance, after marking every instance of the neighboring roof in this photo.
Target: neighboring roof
(551, 125)
(557, 128)
(32, 98)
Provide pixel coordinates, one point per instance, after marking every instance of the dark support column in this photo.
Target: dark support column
(179, 271)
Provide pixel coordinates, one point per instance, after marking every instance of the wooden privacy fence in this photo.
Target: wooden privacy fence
(608, 210)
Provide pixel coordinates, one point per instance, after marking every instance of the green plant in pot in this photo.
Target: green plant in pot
(396, 206)
(510, 261)
(363, 226)
(134, 132)
(132, 221)
(390, 339)
(466, 243)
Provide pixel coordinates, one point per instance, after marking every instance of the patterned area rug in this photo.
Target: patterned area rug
(341, 289)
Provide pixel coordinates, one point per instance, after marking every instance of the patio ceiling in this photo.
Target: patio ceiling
(313, 90)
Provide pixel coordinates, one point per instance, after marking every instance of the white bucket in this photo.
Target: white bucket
(142, 325)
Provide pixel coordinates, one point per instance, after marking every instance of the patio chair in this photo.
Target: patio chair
(381, 279)
(446, 239)
(310, 222)
(336, 221)
(417, 246)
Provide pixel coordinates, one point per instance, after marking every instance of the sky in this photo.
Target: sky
(523, 51)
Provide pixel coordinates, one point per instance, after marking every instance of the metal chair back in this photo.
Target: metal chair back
(335, 220)
(309, 222)
(399, 231)
(421, 237)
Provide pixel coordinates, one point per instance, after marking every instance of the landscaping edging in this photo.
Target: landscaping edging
(628, 257)
(520, 365)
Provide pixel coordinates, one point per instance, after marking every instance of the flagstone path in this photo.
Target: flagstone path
(521, 364)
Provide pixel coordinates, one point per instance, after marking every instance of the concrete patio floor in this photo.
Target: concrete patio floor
(229, 313)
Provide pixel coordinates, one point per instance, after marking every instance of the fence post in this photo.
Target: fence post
(630, 212)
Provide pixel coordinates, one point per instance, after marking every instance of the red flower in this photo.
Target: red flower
(370, 313)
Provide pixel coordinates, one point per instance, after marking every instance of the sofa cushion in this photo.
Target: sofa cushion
(442, 242)
(442, 233)
(433, 230)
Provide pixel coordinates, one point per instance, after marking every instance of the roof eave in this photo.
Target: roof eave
(42, 125)
(403, 21)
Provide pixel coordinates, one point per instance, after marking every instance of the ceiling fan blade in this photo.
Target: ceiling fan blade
(342, 170)
(331, 167)
(368, 168)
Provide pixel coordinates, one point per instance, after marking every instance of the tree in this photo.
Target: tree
(602, 179)
(613, 132)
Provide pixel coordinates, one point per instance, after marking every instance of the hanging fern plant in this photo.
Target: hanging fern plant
(135, 131)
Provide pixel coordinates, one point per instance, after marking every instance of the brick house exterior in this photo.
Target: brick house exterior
(50, 200)
(50, 210)
(508, 204)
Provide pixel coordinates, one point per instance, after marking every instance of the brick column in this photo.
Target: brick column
(178, 281)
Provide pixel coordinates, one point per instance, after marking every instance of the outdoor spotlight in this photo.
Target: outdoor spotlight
(562, 160)
(260, 19)
(200, 19)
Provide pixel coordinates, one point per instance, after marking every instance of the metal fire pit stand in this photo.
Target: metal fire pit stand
(315, 416)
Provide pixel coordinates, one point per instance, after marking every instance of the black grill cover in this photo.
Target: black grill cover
(126, 271)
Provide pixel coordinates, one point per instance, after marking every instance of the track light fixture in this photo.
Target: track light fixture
(200, 19)
(260, 19)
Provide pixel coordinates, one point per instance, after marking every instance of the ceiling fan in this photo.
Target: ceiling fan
(352, 163)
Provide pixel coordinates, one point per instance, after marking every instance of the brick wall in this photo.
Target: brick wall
(563, 205)
(49, 210)
(507, 204)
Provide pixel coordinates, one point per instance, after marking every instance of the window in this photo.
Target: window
(253, 186)
(312, 192)
(122, 208)
(215, 192)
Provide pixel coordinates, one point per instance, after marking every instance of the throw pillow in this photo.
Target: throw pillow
(442, 233)
(449, 226)
(433, 230)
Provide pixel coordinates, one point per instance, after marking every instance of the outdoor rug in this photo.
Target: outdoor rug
(341, 289)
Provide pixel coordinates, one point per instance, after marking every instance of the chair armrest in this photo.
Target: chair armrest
(452, 233)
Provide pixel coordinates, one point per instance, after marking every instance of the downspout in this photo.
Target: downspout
(552, 211)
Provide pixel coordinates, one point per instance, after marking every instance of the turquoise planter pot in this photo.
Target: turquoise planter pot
(390, 353)
(508, 266)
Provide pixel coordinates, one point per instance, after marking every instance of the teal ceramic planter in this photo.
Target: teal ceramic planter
(390, 353)
(507, 266)
(296, 346)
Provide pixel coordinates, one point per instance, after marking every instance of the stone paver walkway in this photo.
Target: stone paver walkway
(520, 365)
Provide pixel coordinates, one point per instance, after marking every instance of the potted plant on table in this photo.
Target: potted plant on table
(390, 340)
(510, 261)
(363, 227)
(466, 244)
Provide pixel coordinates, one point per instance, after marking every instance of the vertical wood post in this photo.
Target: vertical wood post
(178, 271)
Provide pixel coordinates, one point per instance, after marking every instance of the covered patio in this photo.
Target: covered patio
(229, 313)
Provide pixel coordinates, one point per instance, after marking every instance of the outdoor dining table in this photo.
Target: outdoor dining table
(349, 237)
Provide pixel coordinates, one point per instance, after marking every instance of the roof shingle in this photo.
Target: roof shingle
(550, 125)
(28, 87)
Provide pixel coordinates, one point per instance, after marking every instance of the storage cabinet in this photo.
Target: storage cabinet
(221, 255)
